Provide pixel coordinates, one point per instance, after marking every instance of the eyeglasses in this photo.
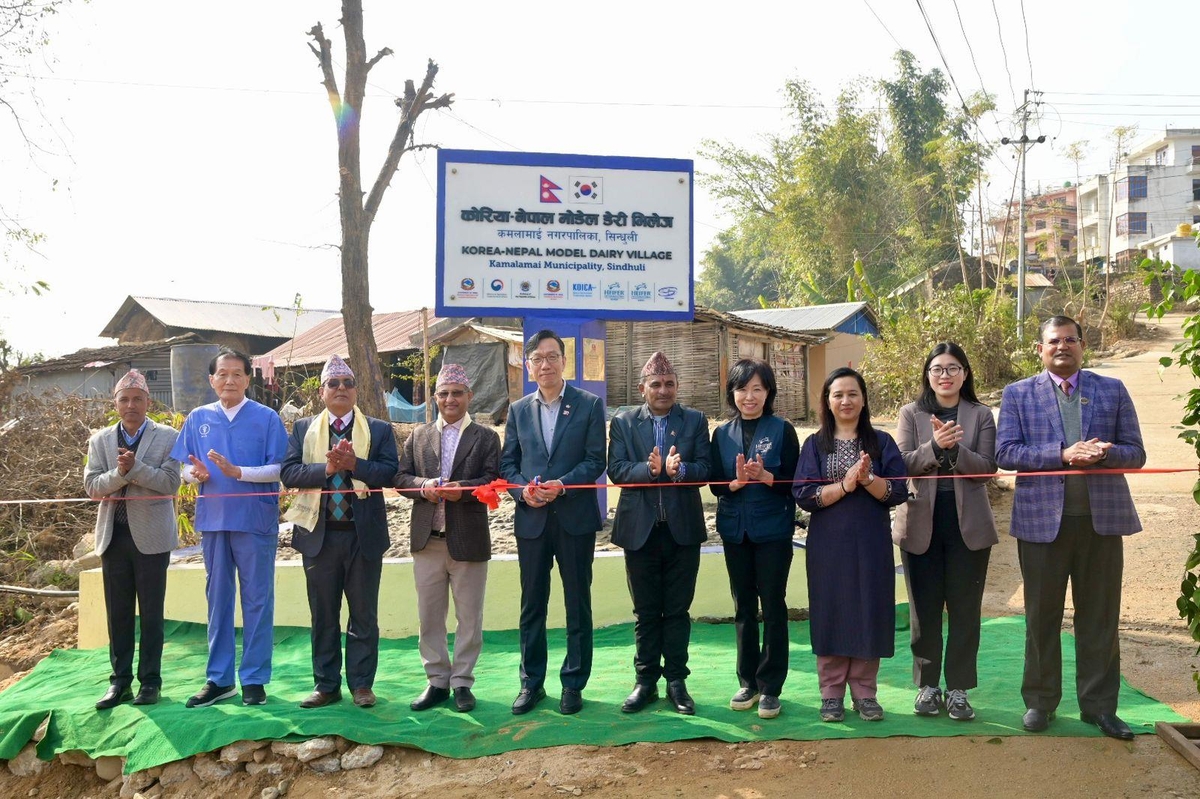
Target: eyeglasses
(457, 393)
(347, 382)
(948, 371)
(538, 360)
(1070, 341)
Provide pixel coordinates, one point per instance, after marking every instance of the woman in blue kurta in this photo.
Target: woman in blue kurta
(753, 461)
(848, 476)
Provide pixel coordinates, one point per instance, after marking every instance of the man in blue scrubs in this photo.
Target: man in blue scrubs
(233, 449)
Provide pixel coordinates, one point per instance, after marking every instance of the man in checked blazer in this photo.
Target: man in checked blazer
(449, 537)
(1071, 526)
(554, 438)
(660, 528)
(130, 465)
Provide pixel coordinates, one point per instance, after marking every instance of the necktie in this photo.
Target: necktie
(339, 502)
(338, 425)
(1066, 388)
(449, 447)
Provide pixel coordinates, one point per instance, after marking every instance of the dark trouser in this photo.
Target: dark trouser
(662, 582)
(128, 575)
(948, 575)
(536, 557)
(338, 568)
(1093, 562)
(759, 572)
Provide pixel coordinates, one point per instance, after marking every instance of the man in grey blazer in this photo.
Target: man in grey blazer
(660, 528)
(1072, 526)
(450, 541)
(554, 438)
(130, 467)
(341, 530)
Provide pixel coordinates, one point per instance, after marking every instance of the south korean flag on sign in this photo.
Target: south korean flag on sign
(587, 190)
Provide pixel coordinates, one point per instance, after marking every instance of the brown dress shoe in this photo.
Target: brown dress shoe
(364, 697)
(321, 699)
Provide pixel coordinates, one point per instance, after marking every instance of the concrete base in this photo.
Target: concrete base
(398, 596)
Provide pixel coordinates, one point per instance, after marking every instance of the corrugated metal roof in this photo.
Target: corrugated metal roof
(809, 319)
(393, 332)
(103, 356)
(228, 317)
(1034, 280)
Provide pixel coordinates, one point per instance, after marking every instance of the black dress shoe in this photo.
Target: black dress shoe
(1110, 724)
(115, 695)
(464, 700)
(432, 696)
(678, 694)
(321, 698)
(642, 695)
(571, 702)
(1036, 720)
(146, 695)
(527, 700)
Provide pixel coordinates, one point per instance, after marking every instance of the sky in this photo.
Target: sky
(189, 151)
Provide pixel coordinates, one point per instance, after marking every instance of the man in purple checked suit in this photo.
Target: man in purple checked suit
(1070, 526)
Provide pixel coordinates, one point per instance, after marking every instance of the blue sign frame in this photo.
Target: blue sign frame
(446, 157)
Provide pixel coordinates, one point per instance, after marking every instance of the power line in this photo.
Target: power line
(1028, 57)
(1004, 51)
(881, 22)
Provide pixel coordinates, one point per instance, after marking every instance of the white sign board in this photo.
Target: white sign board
(523, 234)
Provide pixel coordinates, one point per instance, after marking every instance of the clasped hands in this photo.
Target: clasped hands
(946, 434)
(538, 493)
(340, 458)
(200, 471)
(657, 464)
(859, 474)
(125, 460)
(746, 470)
(1086, 453)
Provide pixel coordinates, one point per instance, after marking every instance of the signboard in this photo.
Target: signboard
(522, 234)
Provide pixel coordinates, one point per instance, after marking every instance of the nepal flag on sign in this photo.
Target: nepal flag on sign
(586, 190)
(548, 188)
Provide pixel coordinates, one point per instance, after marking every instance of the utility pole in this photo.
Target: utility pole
(1024, 142)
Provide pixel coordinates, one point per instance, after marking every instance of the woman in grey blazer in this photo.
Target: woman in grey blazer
(946, 530)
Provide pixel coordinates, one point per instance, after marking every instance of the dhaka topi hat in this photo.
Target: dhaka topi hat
(658, 365)
(132, 379)
(336, 367)
(453, 373)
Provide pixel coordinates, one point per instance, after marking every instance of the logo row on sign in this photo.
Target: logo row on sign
(615, 291)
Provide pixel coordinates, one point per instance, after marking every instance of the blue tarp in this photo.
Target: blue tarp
(401, 410)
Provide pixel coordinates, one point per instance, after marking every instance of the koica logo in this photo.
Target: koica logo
(583, 290)
(614, 292)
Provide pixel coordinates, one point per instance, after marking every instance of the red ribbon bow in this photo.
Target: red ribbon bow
(490, 494)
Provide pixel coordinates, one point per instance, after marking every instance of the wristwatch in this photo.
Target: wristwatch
(870, 479)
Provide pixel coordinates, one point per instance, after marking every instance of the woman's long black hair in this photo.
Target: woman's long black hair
(927, 401)
(867, 440)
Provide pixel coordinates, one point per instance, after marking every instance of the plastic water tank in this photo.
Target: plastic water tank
(189, 376)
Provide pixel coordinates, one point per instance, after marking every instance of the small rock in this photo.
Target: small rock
(241, 751)
(142, 779)
(343, 745)
(86, 544)
(89, 561)
(175, 773)
(114, 785)
(261, 754)
(326, 765)
(315, 748)
(40, 732)
(32, 792)
(748, 762)
(285, 785)
(273, 769)
(109, 767)
(209, 770)
(75, 757)
(285, 749)
(361, 756)
(26, 763)
(270, 793)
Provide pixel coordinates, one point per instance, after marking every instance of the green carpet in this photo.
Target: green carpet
(67, 683)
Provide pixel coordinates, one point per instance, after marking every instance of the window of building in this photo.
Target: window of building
(1065, 245)
(1040, 224)
(1160, 157)
(1131, 223)
(1196, 153)
(1195, 190)
(1196, 220)
(1131, 188)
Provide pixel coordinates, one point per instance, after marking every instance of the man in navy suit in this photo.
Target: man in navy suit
(660, 528)
(554, 438)
(1071, 526)
(341, 530)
